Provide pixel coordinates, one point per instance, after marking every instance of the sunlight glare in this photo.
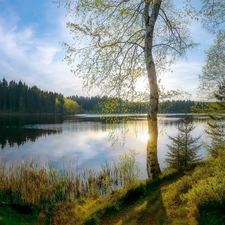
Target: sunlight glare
(144, 137)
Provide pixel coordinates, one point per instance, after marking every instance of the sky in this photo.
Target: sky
(31, 36)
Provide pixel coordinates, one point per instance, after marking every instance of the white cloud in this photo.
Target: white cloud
(36, 60)
(33, 53)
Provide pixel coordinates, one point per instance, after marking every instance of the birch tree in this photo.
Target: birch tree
(119, 42)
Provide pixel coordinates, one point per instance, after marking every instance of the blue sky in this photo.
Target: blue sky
(31, 32)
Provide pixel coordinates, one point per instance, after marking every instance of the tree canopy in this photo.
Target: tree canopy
(212, 87)
(110, 49)
(213, 73)
(117, 43)
(213, 14)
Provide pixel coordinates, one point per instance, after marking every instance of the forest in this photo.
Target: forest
(19, 98)
(95, 104)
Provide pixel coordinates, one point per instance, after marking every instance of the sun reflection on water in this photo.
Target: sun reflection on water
(144, 137)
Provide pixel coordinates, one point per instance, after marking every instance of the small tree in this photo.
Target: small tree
(70, 106)
(173, 157)
(184, 147)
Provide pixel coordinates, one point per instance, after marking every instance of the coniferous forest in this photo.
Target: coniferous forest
(19, 98)
(91, 104)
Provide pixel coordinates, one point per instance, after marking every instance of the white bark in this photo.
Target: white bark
(153, 169)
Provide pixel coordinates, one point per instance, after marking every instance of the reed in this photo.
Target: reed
(30, 183)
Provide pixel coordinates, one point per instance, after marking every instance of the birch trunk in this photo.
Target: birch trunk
(153, 168)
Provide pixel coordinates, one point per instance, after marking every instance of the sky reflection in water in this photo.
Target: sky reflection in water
(88, 142)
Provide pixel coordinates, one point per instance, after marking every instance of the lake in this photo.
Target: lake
(84, 141)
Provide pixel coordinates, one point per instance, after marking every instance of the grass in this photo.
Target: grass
(140, 204)
(44, 188)
(195, 196)
(173, 199)
(10, 215)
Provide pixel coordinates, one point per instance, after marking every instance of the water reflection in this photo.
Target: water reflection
(19, 136)
(19, 121)
(17, 130)
(86, 142)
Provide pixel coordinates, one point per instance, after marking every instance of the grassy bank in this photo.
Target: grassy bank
(38, 195)
(193, 197)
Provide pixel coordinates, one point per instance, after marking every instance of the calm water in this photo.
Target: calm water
(83, 140)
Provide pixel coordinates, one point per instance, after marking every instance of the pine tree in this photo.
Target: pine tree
(173, 157)
(184, 147)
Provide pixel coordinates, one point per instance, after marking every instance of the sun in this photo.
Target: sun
(144, 137)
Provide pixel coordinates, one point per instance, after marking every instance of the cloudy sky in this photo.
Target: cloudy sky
(31, 33)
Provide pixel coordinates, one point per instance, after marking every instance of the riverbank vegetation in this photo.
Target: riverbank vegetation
(35, 194)
(31, 187)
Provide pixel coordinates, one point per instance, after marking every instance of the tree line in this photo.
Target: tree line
(98, 104)
(19, 98)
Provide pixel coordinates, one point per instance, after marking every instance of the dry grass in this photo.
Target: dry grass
(67, 198)
(53, 192)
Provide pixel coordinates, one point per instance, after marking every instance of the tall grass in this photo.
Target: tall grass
(29, 183)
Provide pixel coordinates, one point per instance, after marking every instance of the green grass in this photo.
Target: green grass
(10, 215)
(195, 196)
(140, 204)
(173, 199)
